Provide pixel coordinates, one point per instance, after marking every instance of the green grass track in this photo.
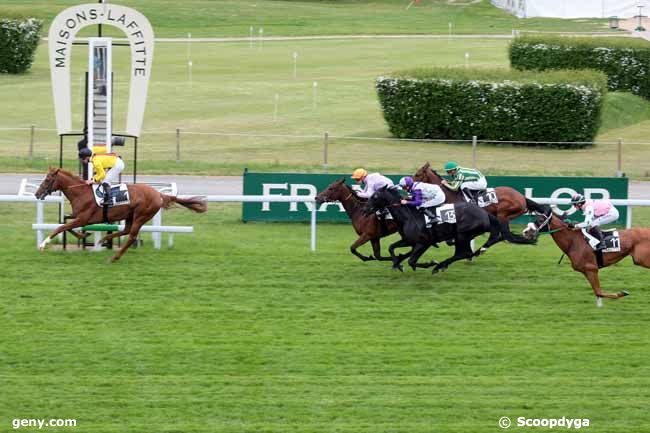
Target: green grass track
(240, 328)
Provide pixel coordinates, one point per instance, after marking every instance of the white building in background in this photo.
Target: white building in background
(573, 8)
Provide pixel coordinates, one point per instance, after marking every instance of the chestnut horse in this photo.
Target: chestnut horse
(367, 227)
(635, 242)
(511, 202)
(145, 202)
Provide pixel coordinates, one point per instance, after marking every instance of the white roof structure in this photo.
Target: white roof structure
(574, 8)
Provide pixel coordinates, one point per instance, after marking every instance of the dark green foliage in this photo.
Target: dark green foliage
(626, 62)
(18, 42)
(504, 105)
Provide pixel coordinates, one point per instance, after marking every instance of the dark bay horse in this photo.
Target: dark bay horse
(472, 221)
(145, 202)
(511, 202)
(367, 227)
(635, 242)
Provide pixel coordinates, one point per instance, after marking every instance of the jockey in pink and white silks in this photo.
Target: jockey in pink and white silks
(596, 213)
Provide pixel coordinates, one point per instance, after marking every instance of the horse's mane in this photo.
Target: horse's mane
(66, 172)
(357, 199)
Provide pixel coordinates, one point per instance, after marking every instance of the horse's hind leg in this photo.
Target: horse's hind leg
(641, 254)
(127, 229)
(133, 236)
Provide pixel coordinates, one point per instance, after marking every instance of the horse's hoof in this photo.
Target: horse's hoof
(625, 293)
(398, 268)
(599, 302)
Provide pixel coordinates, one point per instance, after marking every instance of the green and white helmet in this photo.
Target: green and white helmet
(451, 165)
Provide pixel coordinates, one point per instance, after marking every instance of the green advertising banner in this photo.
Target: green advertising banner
(299, 184)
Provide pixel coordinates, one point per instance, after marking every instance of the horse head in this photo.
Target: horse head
(336, 191)
(427, 174)
(542, 223)
(49, 184)
(382, 198)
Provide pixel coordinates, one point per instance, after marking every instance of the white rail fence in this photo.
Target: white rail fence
(40, 226)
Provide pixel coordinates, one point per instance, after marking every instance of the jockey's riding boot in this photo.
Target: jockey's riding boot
(471, 194)
(107, 199)
(430, 212)
(595, 232)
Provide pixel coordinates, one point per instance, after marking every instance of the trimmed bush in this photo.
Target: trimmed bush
(626, 62)
(502, 105)
(18, 42)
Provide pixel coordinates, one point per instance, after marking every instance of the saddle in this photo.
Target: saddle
(482, 198)
(119, 195)
(611, 241)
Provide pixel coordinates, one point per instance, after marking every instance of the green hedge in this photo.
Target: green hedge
(626, 62)
(18, 42)
(504, 105)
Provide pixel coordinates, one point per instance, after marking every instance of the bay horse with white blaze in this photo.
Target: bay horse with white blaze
(634, 242)
(144, 203)
(511, 202)
(368, 227)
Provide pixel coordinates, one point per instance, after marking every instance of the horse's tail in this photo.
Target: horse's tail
(195, 204)
(504, 228)
(536, 207)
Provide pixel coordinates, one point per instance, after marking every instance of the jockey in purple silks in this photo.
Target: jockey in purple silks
(424, 197)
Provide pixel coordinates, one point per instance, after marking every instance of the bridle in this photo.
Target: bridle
(546, 221)
(50, 184)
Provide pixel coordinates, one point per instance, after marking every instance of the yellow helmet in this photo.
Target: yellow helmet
(359, 173)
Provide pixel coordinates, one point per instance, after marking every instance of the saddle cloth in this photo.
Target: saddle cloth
(384, 213)
(487, 197)
(446, 213)
(612, 241)
(119, 195)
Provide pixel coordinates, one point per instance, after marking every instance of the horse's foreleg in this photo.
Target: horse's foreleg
(592, 276)
(463, 250)
(397, 260)
(77, 222)
(376, 250)
(362, 240)
(416, 253)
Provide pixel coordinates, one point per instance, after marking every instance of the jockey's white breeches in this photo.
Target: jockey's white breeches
(609, 217)
(440, 199)
(475, 185)
(113, 173)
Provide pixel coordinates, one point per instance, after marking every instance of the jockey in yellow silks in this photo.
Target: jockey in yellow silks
(107, 167)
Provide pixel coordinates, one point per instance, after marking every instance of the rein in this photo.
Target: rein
(550, 232)
(74, 186)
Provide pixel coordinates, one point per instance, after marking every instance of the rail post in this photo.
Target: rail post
(619, 166)
(325, 146)
(178, 145)
(31, 141)
(314, 209)
(474, 142)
